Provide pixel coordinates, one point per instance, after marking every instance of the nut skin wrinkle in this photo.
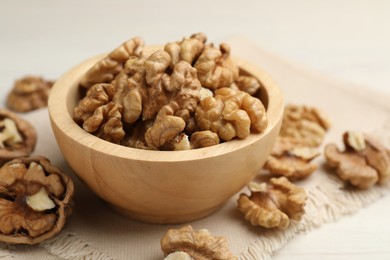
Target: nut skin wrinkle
(180, 90)
(99, 115)
(305, 124)
(97, 96)
(351, 167)
(187, 50)
(131, 86)
(291, 159)
(105, 70)
(248, 84)
(215, 67)
(163, 131)
(378, 157)
(231, 113)
(201, 139)
(29, 93)
(274, 207)
(106, 123)
(26, 184)
(364, 162)
(199, 244)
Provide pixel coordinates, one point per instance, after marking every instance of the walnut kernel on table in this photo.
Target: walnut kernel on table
(363, 163)
(198, 244)
(273, 204)
(29, 93)
(17, 136)
(291, 159)
(307, 125)
(151, 99)
(35, 200)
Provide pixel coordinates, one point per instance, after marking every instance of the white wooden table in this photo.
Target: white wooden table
(347, 39)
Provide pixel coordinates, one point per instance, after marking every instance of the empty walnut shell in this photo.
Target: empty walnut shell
(11, 148)
(35, 200)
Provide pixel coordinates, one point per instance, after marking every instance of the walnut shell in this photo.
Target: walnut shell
(27, 133)
(23, 220)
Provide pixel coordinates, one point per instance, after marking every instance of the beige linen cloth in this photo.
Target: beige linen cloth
(96, 232)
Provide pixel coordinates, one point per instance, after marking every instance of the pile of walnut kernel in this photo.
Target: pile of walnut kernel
(189, 95)
(274, 203)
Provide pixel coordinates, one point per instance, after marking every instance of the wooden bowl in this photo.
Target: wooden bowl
(161, 186)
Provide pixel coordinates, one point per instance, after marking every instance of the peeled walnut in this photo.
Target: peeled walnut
(200, 245)
(181, 88)
(35, 200)
(290, 159)
(146, 86)
(248, 84)
(305, 124)
(163, 132)
(231, 113)
(202, 139)
(378, 157)
(105, 70)
(188, 49)
(361, 165)
(272, 205)
(29, 93)
(97, 96)
(99, 115)
(215, 67)
(17, 136)
(130, 88)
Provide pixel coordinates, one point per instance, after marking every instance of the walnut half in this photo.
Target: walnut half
(363, 163)
(291, 159)
(29, 93)
(35, 200)
(200, 245)
(17, 136)
(231, 113)
(307, 125)
(272, 205)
